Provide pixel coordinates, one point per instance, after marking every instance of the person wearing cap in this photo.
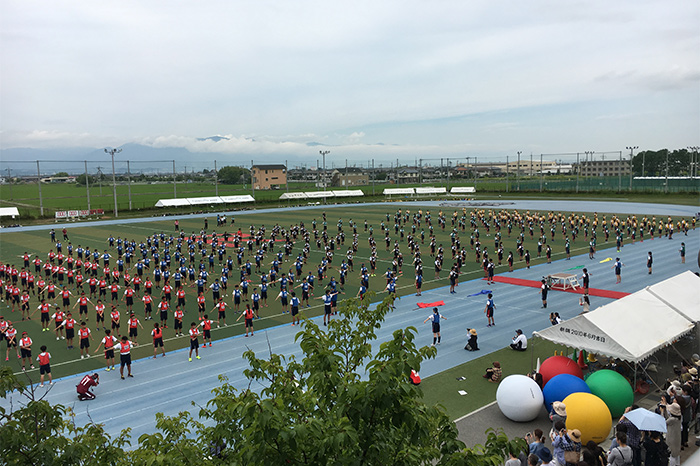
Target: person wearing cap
(558, 414)
(435, 318)
(493, 374)
(672, 413)
(519, 341)
(546, 456)
(472, 344)
(83, 388)
(571, 445)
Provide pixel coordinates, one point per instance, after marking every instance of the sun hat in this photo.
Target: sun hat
(674, 409)
(559, 408)
(693, 371)
(575, 435)
(473, 332)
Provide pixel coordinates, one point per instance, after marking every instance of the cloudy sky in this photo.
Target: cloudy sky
(369, 79)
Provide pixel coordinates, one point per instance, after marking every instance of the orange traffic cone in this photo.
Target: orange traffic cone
(581, 360)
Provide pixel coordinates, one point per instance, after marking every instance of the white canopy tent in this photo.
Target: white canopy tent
(631, 328)
(237, 199)
(172, 203)
(682, 293)
(9, 212)
(348, 193)
(204, 200)
(293, 196)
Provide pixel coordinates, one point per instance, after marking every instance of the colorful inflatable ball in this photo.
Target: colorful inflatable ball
(611, 387)
(589, 414)
(560, 386)
(555, 365)
(519, 398)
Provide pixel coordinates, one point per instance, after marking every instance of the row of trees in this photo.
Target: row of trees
(316, 410)
(653, 163)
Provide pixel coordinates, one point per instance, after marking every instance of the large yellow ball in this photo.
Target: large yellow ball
(590, 415)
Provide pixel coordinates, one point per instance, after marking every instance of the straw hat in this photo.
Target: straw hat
(576, 435)
(693, 371)
(473, 332)
(674, 409)
(559, 408)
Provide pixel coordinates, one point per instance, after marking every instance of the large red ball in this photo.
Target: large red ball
(555, 365)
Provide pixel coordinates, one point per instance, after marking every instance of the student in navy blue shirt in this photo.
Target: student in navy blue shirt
(435, 318)
(295, 309)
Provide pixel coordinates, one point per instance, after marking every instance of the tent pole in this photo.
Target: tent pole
(634, 387)
(532, 357)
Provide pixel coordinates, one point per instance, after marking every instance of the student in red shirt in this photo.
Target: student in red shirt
(25, 347)
(179, 315)
(147, 304)
(194, 340)
(85, 336)
(129, 296)
(181, 297)
(100, 315)
(206, 326)
(116, 320)
(134, 324)
(163, 306)
(58, 317)
(221, 306)
(11, 337)
(157, 334)
(249, 315)
(44, 359)
(45, 317)
(84, 386)
(108, 342)
(69, 323)
(124, 348)
(82, 302)
(201, 305)
(24, 299)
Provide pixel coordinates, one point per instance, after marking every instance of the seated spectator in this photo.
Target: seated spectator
(519, 341)
(493, 374)
(472, 344)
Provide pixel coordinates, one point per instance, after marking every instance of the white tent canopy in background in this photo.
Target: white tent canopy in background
(348, 193)
(293, 196)
(431, 190)
(682, 293)
(204, 200)
(400, 191)
(9, 212)
(631, 328)
(463, 190)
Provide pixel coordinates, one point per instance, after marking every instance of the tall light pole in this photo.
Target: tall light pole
(517, 173)
(631, 149)
(114, 178)
(693, 160)
(324, 153)
(589, 153)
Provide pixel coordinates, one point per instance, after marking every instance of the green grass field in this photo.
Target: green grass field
(13, 244)
(25, 196)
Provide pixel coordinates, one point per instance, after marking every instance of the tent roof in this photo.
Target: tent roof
(630, 328)
(9, 212)
(681, 293)
(172, 202)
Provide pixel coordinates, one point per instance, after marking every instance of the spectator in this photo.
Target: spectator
(536, 442)
(519, 341)
(493, 374)
(546, 456)
(472, 344)
(657, 452)
(558, 430)
(687, 413)
(634, 437)
(593, 455)
(558, 414)
(672, 413)
(621, 454)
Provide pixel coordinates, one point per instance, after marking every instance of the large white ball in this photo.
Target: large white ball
(519, 398)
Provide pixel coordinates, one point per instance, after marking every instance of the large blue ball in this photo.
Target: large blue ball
(561, 386)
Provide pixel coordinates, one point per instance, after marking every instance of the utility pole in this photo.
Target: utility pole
(87, 184)
(114, 178)
(507, 181)
(41, 200)
(216, 180)
(324, 153)
(128, 179)
(631, 149)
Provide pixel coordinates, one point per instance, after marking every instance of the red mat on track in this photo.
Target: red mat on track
(536, 284)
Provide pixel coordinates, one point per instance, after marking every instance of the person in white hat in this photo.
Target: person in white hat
(672, 413)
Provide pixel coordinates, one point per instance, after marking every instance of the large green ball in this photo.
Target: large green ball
(615, 391)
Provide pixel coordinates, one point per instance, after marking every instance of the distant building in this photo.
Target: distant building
(269, 176)
(58, 179)
(350, 176)
(615, 167)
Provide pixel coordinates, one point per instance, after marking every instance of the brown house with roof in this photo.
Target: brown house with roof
(269, 176)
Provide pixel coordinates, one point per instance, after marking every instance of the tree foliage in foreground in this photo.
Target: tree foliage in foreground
(342, 403)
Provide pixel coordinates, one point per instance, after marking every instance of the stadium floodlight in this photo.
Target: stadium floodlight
(114, 178)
